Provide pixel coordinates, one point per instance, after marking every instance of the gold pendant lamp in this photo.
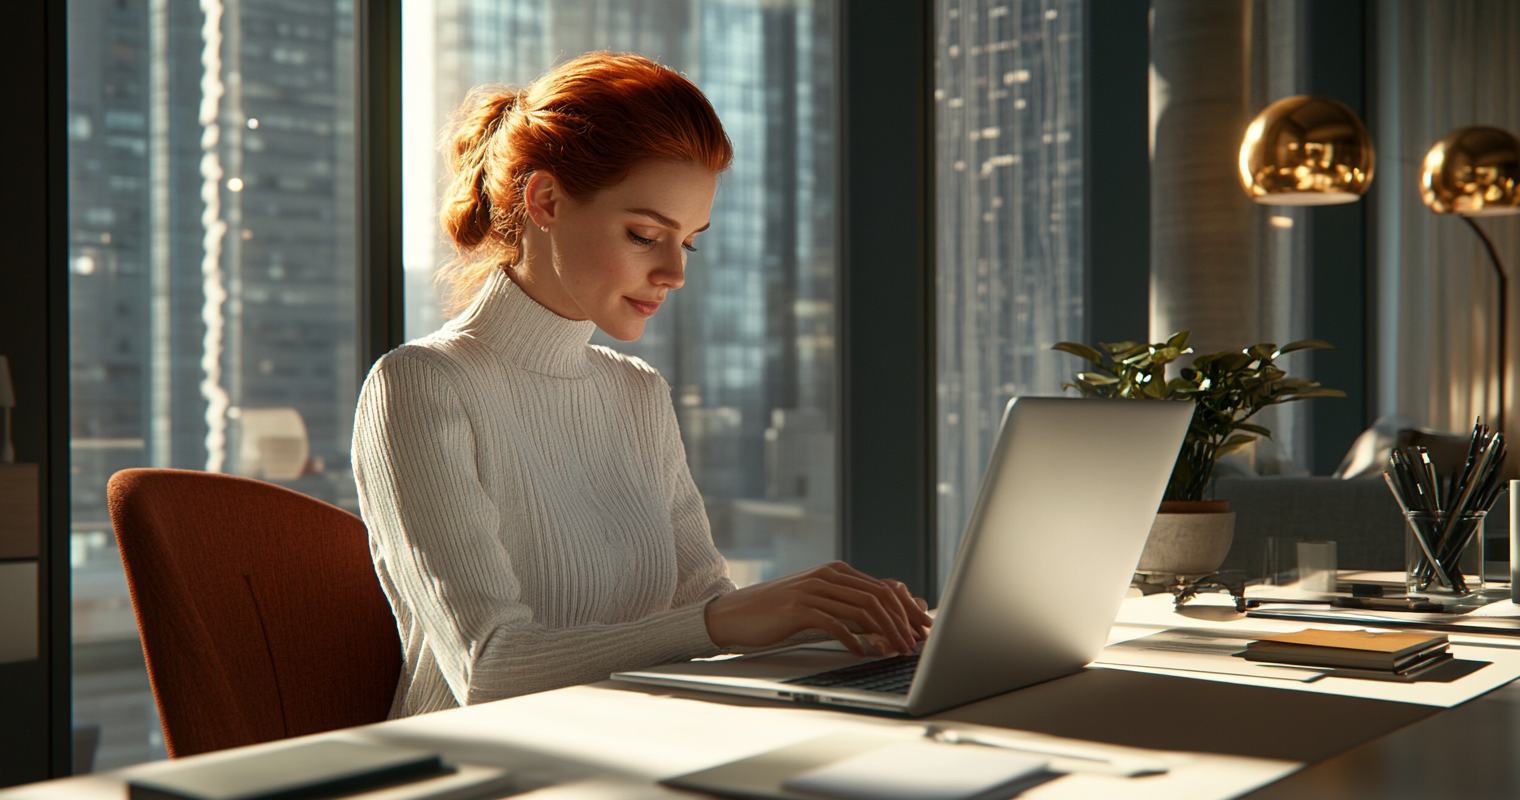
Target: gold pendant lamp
(1306, 151)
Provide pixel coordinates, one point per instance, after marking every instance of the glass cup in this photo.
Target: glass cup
(1443, 556)
(1316, 566)
(1295, 565)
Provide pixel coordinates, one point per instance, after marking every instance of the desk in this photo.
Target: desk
(613, 740)
(1469, 751)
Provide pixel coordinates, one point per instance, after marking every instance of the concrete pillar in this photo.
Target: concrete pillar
(1205, 271)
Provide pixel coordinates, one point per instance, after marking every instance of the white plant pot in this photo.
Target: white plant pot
(1188, 544)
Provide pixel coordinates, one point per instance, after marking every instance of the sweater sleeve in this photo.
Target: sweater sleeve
(702, 571)
(432, 527)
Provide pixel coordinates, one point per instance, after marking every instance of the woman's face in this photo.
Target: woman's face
(614, 257)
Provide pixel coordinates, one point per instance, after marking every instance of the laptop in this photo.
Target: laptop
(1047, 556)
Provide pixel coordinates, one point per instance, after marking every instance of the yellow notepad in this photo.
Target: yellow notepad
(1388, 652)
(1391, 643)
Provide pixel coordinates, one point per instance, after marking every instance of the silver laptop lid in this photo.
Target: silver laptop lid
(1061, 517)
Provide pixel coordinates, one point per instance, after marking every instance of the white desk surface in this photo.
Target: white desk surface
(615, 741)
(593, 742)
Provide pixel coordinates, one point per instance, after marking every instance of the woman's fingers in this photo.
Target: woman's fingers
(872, 615)
(835, 598)
(844, 610)
(890, 599)
(878, 644)
(913, 608)
(822, 620)
(900, 602)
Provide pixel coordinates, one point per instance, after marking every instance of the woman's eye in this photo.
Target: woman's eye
(689, 247)
(639, 240)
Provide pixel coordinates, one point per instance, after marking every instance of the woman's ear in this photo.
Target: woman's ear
(544, 199)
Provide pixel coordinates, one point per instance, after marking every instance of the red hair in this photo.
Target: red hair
(589, 122)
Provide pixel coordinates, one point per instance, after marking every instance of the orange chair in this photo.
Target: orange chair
(260, 614)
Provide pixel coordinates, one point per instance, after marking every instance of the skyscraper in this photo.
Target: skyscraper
(213, 281)
(1008, 106)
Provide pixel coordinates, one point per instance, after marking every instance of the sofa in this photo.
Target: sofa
(1359, 514)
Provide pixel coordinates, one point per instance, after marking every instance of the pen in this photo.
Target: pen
(1365, 603)
(1256, 602)
(1416, 604)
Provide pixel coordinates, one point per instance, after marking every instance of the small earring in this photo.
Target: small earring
(544, 228)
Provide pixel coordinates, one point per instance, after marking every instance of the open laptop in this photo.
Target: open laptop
(1062, 515)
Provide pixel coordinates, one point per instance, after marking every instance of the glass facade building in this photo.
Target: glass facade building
(1010, 275)
(213, 284)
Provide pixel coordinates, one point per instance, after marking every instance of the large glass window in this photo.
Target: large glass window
(1008, 110)
(748, 343)
(212, 286)
(1440, 67)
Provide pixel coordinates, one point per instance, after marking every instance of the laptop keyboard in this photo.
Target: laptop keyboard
(890, 675)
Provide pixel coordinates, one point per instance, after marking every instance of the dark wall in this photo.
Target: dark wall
(1341, 284)
(887, 292)
(33, 335)
(1117, 191)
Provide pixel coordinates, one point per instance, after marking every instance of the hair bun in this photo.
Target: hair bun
(485, 108)
(467, 213)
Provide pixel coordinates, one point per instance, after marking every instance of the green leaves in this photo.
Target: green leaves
(1233, 444)
(1303, 344)
(1096, 378)
(1228, 387)
(1081, 350)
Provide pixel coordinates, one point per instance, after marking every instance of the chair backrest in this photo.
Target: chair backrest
(260, 613)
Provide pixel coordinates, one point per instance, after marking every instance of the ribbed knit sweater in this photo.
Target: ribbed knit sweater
(531, 515)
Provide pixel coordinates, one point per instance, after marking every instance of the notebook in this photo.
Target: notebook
(923, 771)
(319, 769)
(1389, 652)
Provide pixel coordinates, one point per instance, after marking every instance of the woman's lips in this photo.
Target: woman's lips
(643, 307)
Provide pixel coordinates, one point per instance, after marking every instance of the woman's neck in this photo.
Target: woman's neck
(541, 283)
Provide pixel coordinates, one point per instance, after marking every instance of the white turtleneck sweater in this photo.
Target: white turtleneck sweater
(531, 515)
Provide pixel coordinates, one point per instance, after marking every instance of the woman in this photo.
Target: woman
(531, 514)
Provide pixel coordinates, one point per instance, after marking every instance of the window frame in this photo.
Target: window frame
(382, 282)
(887, 470)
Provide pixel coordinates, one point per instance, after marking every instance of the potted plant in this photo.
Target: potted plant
(1192, 536)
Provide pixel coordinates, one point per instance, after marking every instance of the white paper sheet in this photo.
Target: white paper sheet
(919, 771)
(1142, 616)
(1505, 610)
(1198, 651)
(631, 735)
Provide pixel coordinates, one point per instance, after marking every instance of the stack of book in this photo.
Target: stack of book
(1354, 654)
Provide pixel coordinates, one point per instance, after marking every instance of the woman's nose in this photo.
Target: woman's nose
(671, 273)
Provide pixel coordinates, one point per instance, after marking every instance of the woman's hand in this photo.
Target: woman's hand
(834, 597)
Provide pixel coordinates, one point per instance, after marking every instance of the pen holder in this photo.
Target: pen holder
(1443, 555)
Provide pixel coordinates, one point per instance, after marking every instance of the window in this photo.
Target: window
(1008, 109)
(213, 290)
(748, 345)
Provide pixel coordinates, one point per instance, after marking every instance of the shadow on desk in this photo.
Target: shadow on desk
(1135, 709)
(1466, 752)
